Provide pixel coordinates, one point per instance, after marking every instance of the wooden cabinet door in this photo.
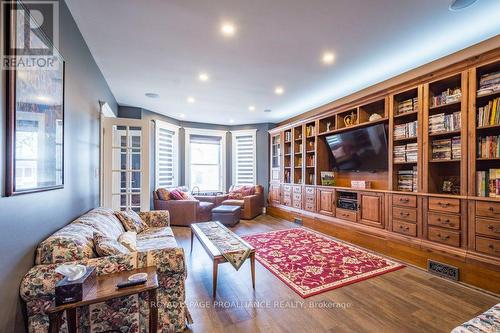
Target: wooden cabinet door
(325, 200)
(274, 194)
(371, 209)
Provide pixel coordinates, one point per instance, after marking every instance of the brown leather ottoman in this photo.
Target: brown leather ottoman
(227, 215)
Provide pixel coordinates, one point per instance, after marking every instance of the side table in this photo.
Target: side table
(104, 290)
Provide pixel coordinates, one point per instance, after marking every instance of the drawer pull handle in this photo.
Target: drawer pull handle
(404, 214)
(404, 200)
(443, 238)
(491, 246)
(443, 204)
(445, 221)
(491, 209)
(492, 228)
(405, 228)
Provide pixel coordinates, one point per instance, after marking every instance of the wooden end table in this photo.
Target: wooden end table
(104, 290)
(216, 255)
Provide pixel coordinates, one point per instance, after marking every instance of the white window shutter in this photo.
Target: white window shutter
(244, 157)
(166, 155)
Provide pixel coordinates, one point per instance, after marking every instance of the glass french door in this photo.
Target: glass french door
(126, 164)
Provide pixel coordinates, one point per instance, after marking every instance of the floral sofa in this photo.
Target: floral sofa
(74, 244)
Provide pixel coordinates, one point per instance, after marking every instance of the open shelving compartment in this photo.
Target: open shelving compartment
(445, 135)
(298, 154)
(405, 142)
(484, 129)
(287, 156)
(310, 153)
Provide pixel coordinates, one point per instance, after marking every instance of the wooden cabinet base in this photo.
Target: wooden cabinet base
(476, 269)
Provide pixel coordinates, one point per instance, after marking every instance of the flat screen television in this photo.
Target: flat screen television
(363, 149)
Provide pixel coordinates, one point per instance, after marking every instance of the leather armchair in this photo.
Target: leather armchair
(184, 212)
(251, 205)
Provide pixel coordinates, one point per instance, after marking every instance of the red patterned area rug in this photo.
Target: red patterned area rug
(311, 263)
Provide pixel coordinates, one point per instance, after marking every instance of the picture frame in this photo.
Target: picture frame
(35, 115)
(327, 178)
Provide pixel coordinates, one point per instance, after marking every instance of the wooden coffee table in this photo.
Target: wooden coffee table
(105, 289)
(216, 255)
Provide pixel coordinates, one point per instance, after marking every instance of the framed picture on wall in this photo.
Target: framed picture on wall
(35, 107)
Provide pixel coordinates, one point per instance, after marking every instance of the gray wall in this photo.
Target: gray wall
(262, 142)
(28, 219)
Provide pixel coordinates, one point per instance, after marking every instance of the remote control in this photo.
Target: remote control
(132, 283)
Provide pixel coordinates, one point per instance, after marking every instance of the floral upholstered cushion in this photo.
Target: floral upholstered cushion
(129, 240)
(105, 246)
(131, 221)
(163, 194)
(156, 218)
(486, 322)
(236, 193)
(248, 190)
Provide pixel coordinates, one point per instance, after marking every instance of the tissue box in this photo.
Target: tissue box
(75, 291)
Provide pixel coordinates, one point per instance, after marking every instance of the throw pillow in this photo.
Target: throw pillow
(248, 190)
(129, 240)
(163, 194)
(236, 194)
(105, 246)
(187, 196)
(176, 195)
(131, 221)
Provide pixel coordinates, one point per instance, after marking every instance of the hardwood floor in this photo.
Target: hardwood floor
(407, 300)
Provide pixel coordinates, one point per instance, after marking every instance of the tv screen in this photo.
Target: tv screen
(363, 149)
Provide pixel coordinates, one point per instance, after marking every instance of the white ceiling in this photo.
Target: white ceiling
(161, 46)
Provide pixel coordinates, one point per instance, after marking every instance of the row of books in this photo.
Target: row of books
(488, 147)
(288, 136)
(447, 149)
(442, 122)
(489, 83)
(406, 153)
(408, 105)
(488, 183)
(489, 114)
(446, 97)
(407, 130)
(407, 180)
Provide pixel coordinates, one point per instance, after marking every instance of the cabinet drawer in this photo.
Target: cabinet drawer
(311, 207)
(444, 205)
(297, 197)
(405, 228)
(488, 209)
(444, 236)
(310, 190)
(404, 200)
(346, 214)
(297, 205)
(488, 245)
(310, 198)
(488, 227)
(297, 189)
(287, 201)
(287, 188)
(443, 220)
(406, 214)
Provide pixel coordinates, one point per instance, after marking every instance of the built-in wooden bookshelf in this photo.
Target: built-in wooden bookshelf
(405, 141)
(484, 119)
(310, 153)
(287, 156)
(298, 154)
(276, 157)
(445, 135)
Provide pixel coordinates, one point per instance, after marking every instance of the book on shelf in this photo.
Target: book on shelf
(489, 114)
(442, 122)
(407, 180)
(288, 136)
(488, 147)
(446, 97)
(488, 183)
(310, 130)
(447, 149)
(489, 83)
(409, 105)
(407, 130)
(406, 153)
(400, 154)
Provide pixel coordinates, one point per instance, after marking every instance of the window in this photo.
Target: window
(205, 159)
(244, 157)
(166, 171)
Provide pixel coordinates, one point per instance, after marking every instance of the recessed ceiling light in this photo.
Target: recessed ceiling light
(203, 77)
(328, 58)
(251, 108)
(231, 121)
(191, 100)
(152, 95)
(460, 4)
(182, 115)
(228, 29)
(279, 90)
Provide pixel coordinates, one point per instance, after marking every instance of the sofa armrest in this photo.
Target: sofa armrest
(252, 206)
(156, 218)
(182, 212)
(167, 261)
(40, 281)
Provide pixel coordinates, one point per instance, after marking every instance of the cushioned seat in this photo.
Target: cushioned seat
(227, 215)
(157, 232)
(151, 244)
(234, 202)
(205, 211)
